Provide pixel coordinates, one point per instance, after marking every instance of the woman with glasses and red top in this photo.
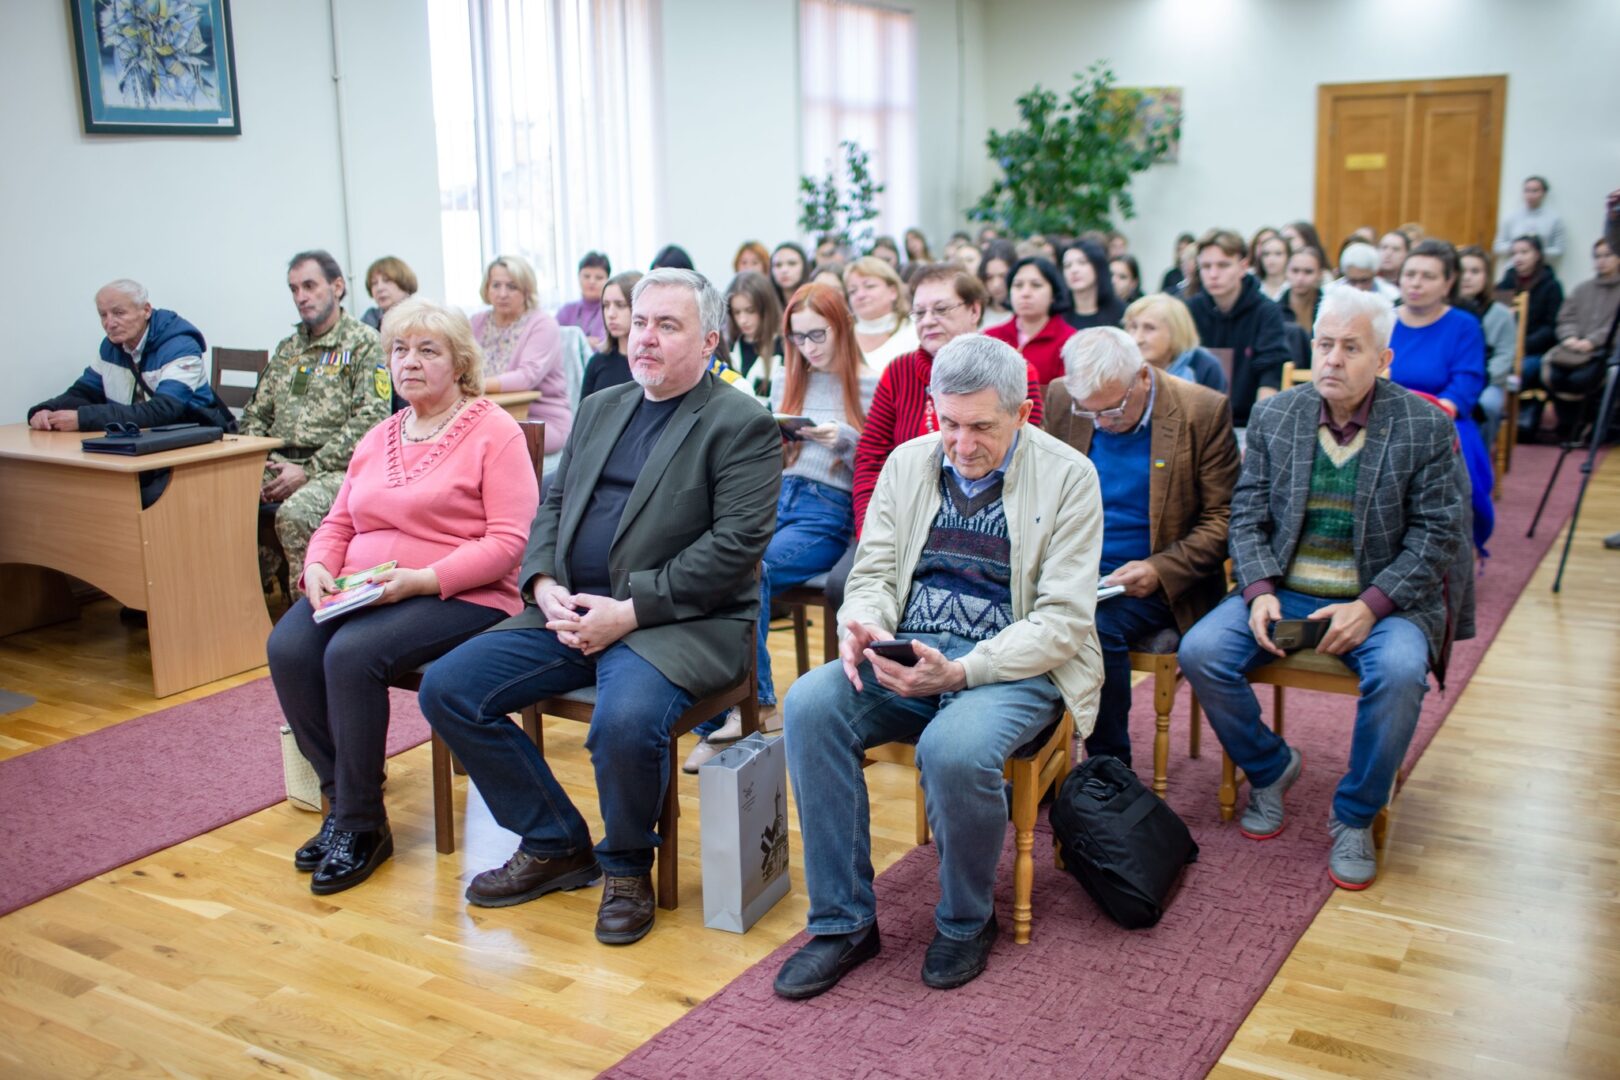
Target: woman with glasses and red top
(1040, 298)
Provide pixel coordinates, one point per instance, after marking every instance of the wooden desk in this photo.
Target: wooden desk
(516, 402)
(190, 561)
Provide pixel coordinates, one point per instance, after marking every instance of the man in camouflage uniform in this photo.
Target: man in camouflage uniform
(325, 386)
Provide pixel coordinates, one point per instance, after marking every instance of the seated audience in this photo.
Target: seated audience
(789, 269)
(1173, 277)
(751, 257)
(611, 367)
(1091, 287)
(522, 345)
(1529, 273)
(1372, 560)
(1164, 333)
(1040, 300)
(1501, 332)
(1440, 351)
(1393, 248)
(885, 248)
(645, 590)
(388, 281)
(1231, 313)
(1118, 245)
(586, 312)
(878, 298)
(831, 275)
(1573, 369)
(1366, 234)
(987, 233)
(995, 267)
(1127, 276)
(1303, 293)
(1358, 269)
(829, 249)
(445, 489)
(1166, 461)
(1533, 219)
(1302, 234)
(917, 247)
(753, 329)
(671, 257)
(325, 386)
(969, 257)
(981, 549)
(1271, 269)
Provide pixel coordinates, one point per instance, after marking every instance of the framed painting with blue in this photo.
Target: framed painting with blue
(156, 67)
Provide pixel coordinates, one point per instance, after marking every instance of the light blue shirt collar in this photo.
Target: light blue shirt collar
(973, 488)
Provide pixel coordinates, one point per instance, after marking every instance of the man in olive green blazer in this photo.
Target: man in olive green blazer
(640, 581)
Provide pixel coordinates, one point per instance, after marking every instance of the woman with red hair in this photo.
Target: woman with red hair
(826, 382)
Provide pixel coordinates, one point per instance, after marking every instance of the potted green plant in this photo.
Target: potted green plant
(841, 210)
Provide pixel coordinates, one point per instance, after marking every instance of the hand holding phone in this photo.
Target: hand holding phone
(901, 652)
(1292, 635)
(792, 425)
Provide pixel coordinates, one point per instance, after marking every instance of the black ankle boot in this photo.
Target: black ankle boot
(350, 859)
(310, 855)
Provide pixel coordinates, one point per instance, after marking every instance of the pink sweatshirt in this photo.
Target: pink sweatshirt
(537, 364)
(460, 505)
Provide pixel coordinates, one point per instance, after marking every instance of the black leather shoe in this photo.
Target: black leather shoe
(626, 913)
(350, 859)
(950, 963)
(817, 967)
(314, 850)
(527, 877)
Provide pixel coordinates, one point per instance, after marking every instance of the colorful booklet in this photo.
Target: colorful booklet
(353, 591)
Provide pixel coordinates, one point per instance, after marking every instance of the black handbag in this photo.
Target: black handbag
(1123, 843)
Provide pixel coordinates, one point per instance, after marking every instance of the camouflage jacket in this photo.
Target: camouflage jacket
(319, 395)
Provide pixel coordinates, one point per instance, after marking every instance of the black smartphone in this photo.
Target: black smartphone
(1292, 635)
(792, 425)
(900, 651)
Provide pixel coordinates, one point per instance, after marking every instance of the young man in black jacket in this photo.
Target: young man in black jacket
(1232, 313)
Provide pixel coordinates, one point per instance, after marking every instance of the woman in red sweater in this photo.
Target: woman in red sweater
(445, 489)
(1037, 328)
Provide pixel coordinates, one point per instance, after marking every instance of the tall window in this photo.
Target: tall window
(546, 118)
(858, 81)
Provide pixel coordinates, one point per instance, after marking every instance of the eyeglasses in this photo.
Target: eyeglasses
(814, 337)
(938, 311)
(1104, 414)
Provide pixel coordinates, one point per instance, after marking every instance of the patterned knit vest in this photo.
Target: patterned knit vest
(1325, 561)
(963, 581)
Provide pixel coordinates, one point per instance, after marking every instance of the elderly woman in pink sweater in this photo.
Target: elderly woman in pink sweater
(445, 489)
(523, 346)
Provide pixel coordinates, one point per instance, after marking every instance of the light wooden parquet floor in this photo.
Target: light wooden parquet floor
(1489, 947)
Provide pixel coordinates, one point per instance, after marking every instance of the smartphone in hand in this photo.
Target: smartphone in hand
(792, 425)
(1292, 635)
(901, 651)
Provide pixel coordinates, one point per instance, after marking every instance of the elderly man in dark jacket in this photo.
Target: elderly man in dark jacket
(1350, 512)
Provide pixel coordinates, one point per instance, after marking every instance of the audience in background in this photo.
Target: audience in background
(1231, 313)
(917, 247)
(1091, 287)
(1358, 265)
(611, 366)
(1302, 296)
(753, 329)
(751, 257)
(1364, 233)
(1501, 332)
(586, 312)
(1163, 330)
(445, 489)
(1393, 247)
(1528, 273)
(1040, 299)
(1127, 276)
(829, 250)
(522, 345)
(1440, 352)
(671, 257)
(886, 249)
(878, 298)
(831, 275)
(789, 269)
(1271, 259)
(1118, 244)
(1301, 234)
(1177, 274)
(969, 257)
(1532, 219)
(388, 281)
(1573, 369)
(994, 270)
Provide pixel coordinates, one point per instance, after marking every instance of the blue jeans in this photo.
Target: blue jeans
(1394, 669)
(963, 740)
(1120, 622)
(1492, 400)
(467, 695)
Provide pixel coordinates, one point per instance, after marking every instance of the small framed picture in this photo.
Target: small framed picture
(156, 67)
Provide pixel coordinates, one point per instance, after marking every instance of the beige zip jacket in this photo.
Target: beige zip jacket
(1054, 522)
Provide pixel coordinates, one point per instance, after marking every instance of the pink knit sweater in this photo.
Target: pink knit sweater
(460, 505)
(537, 364)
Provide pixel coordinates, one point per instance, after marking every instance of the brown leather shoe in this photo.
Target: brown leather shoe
(626, 913)
(526, 877)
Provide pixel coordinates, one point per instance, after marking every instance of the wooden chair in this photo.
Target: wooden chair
(236, 398)
(1293, 376)
(580, 705)
(1156, 656)
(1507, 432)
(801, 598)
(1036, 768)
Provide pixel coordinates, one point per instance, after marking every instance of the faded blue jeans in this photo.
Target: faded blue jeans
(1393, 664)
(963, 740)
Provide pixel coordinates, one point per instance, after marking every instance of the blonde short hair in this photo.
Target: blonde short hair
(873, 267)
(1177, 319)
(421, 316)
(522, 273)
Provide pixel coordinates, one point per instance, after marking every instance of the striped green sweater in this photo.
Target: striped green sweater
(1325, 561)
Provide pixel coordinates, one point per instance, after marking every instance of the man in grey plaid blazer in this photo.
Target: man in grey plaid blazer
(1351, 512)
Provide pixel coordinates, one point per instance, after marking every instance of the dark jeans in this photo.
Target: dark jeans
(1585, 381)
(332, 679)
(1121, 621)
(467, 695)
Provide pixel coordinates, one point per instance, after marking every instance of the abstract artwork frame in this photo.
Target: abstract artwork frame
(156, 67)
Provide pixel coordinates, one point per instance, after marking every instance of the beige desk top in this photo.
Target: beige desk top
(514, 397)
(21, 442)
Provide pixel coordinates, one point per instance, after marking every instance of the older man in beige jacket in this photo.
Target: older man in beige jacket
(977, 575)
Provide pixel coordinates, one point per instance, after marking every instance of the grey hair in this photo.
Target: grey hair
(1358, 257)
(1351, 304)
(1098, 357)
(711, 305)
(974, 362)
(129, 287)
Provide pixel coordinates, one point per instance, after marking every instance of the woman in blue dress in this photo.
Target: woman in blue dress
(1440, 351)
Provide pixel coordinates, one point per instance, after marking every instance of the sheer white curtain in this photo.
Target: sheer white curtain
(858, 81)
(563, 126)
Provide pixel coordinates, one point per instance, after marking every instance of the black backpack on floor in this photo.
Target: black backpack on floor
(1123, 843)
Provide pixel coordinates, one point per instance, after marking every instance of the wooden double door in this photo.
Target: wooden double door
(1428, 151)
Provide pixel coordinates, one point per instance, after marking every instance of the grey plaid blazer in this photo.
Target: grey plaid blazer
(1412, 509)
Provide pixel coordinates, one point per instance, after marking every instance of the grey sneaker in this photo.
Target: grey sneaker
(1263, 818)
(1352, 864)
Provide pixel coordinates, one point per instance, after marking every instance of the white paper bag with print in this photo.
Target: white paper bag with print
(745, 848)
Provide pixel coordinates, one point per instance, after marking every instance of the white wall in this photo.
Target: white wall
(207, 224)
(1250, 69)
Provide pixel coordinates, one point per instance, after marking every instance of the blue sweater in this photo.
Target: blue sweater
(1124, 467)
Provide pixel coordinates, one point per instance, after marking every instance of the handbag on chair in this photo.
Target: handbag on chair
(303, 786)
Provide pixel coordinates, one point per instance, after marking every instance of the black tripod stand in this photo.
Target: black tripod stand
(1600, 430)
